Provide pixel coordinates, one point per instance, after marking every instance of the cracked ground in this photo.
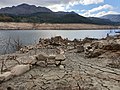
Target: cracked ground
(80, 73)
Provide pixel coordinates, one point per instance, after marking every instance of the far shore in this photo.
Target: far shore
(47, 26)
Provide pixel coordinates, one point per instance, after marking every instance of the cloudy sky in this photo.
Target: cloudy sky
(86, 8)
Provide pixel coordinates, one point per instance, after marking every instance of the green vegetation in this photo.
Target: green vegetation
(5, 18)
(52, 17)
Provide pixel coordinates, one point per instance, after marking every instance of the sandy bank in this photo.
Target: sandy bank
(31, 26)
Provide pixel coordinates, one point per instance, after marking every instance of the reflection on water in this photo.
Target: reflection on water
(32, 36)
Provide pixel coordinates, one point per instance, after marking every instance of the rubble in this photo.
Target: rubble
(44, 69)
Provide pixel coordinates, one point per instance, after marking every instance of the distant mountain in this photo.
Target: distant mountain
(34, 14)
(23, 9)
(112, 17)
(101, 21)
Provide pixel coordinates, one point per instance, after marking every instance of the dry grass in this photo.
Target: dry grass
(44, 26)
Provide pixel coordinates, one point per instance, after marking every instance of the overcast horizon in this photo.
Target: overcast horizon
(88, 8)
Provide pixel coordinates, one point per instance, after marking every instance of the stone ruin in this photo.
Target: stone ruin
(26, 63)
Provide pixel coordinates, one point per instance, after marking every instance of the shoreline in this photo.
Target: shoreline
(45, 26)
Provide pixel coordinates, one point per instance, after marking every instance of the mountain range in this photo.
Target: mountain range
(112, 17)
(31, 13)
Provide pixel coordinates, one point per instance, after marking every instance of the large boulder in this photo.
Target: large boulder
(20, 69)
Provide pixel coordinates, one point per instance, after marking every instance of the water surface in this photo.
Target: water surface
(32, 36)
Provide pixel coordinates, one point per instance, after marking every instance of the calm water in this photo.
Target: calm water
(32, 36)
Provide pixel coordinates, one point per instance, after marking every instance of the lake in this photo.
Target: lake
(28, 37)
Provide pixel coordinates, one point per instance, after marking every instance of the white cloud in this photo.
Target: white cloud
(99, 14)
(99, 11)
(87, 2)
(106, 6)
(57, 7)
(106, 13)
(83, 10)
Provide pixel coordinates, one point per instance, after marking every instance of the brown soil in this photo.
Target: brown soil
(35, 26)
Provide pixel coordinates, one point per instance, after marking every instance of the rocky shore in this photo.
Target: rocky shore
(62, 64)
(45, 26)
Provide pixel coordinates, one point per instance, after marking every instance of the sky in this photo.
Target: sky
(87, 8)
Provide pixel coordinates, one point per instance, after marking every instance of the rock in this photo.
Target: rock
(27, 60)
(115, 88)
(11, 57)
(41, 64)
(41, 56)
(51, 56)
(94, 53)
(60, 57)
(57, 63)
(112, 47)
(97, 44)
(61, 51)
(111, 55)
(30, 47)
(57, 41)
(62, 67)
(5, 76)
(32, 60)
(24, 50)
(88, 48)
(80, 49)
(20, 69)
